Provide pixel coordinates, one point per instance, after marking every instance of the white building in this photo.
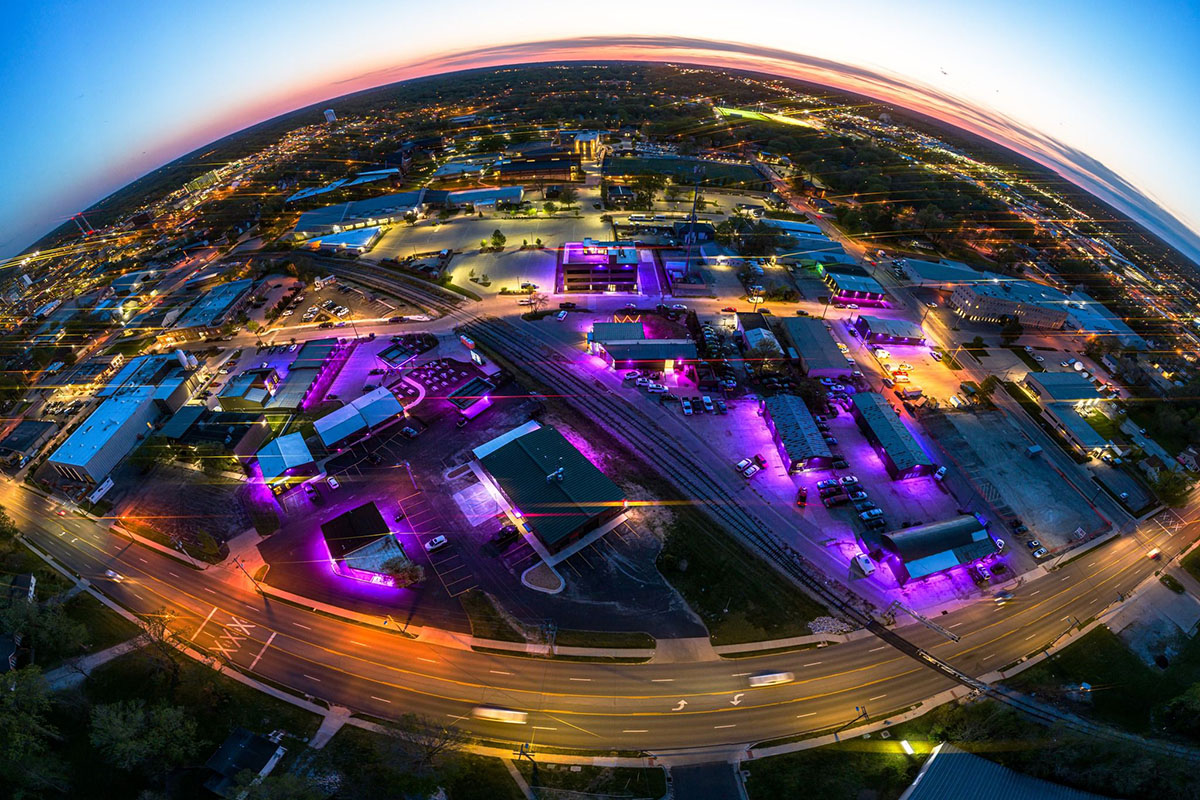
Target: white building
(330, 116)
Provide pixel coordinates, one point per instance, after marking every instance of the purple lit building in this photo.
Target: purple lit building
(472, 398)
(851, 284)
(881, 330)
(924, 550)
(591, 266)
(361, 545)
(901, 453)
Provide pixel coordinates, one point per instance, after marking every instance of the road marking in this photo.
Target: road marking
(1030, 636)
(661, 680)
(498, 672)
(877, 649)
(636, 730)
(381, 699)
(718, 727)
(430, 660)
(298, 625)
(172, 574)
(543, 728)
(1092, 564)
(814, 663)
(202, 624)
(266, 644)
(581, 680)
(1039, 591)
(311, 678)
(989, 655)
(877, 697)
(956, 625)
(740, 674)
(138, 596)
(1065, 578)
(144, 561)
(809, 714)
(360, 644)
(210, 591)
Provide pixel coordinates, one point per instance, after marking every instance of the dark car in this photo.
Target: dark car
(802, 497)
(835, 500)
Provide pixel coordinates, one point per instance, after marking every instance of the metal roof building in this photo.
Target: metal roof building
(884, 330)
(361, 415)
(360, 543)
(211, 309)
(950, 774)
(848, 286)
(814, 345)
(282, 457)
(559, 494)
(923, 550)
(901, 454)
(651, 353)
(801, 445)
(1061, 386)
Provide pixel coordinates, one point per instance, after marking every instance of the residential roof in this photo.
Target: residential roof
(470, 393)
(895, 328)
(242, 751)
(1068, 386)
(354, 530)
(282, 454)
(902, 448)
(551, 483)
(209, 309)
(26, 434)
(617, 331)
(813, 343)
(651, 350)
(950, 773)
(796, 428)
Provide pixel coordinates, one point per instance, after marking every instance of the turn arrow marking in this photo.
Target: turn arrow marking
(679, 707)
(737, 698)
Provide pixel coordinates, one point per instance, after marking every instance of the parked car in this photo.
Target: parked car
(333, 482)
(1033, 544)
(708, 404)
(1041, 552)
(656, 388)
(848, 480)
(835, 500)
(827, 483)
(687, 407)
(940, 474)
(750, 471)
(436, 543)
(802, 497)
(864, 564)
(872, 514)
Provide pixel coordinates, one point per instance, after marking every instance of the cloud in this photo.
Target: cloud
(1068, 161)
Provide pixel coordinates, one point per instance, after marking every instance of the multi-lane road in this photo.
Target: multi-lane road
(656, 707)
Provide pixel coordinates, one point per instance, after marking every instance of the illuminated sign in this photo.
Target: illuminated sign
(595, 251)
(467, 343)
(478, 359)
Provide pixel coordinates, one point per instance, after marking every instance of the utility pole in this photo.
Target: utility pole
(862, 714)
(242, 567)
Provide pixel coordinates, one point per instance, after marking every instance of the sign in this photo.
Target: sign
(478, 359)
(467, 343)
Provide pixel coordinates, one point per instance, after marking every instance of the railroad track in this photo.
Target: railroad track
(690, 476)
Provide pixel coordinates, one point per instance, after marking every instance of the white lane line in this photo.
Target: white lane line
(138, 596)
(144, 561)
(360, 644)
(876, 697)
(430, 660)
(877, 649)
(542, 728)
(956, 625)
(814, 663)
(581, 680)
(381, 699)
(1039, 591)
(661, 680)
(718, 727)
(266, 644)
(498, 672)
(1065, 578)
(636, 730)
(989, 655)
(1030, 636)
(210, 591)
(298, 625)
(809, 714)
(740, 674)
(311, 678)
(172, 574)
(1092, 564)
(202, 624)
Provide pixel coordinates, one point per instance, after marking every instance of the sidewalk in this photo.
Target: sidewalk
(75, 671)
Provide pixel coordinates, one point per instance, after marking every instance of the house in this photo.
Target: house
(22, 588)
(240, 753)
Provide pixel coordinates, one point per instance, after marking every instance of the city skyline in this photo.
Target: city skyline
(1064, 123)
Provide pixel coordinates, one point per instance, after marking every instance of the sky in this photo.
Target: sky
(97, 94)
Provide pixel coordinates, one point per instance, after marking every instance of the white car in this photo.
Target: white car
(656, 388)
(848, 480)
(687, 407)
(436, 543)
(1041, 552)
(708, 404)
(999, 544)
(743, 464)
(750, 471)
(632, 375)
(864, 563)
(770, 679)
(333, 482)
(679, 307)
(505, 715)
(940, 474)
(115, 577)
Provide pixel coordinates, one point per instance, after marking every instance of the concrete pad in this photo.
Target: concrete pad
(476, 504)
(684, 651)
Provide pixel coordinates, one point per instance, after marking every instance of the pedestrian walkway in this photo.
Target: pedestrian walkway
(74, 672)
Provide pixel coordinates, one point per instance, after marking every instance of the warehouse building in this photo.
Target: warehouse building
(285, 461)
(358, 418)
(934, 547)
(901, 454)
(557, 494)
(208, 314)
(1065, 397)
(312, 370)
(238, 434)
(814, 346)
(881, 330)
(251, 390)
(361, 546)
(755, 332)
(556, 166)
(26, 439)
(801, 445)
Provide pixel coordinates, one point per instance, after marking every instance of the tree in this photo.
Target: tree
(549, 207)
(1011, 330)
(131, 736)
(989, 385)
(1173, 488)
(161, 648)
(410, 218)
(568, 195)
(537, 300)
(422, 741)
(498, 239)
(763, 356)
(8, 528)
(26, 763)
(284, 786)
(51, 632)
(405, 572)
(154, 451)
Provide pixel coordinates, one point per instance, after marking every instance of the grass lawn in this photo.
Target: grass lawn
(614, 781)
(368, 762)
(1103, 425)
(105, 627)
(950, 361)
(1125, 692)
(1191, 563)
(217, 704)
(844, 771)
(486, 621)
(616, 639)
(155, 535)
(738, 596)
(1020, 353)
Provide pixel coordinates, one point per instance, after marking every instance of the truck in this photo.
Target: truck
(1033, 450)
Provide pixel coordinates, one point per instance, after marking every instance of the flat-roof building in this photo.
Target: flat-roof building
(359, 417)
(215, 307)
(812, 343)
(1064, 398)
(251, 390)
(26, 439)
(560, 166)
(901, 453)
(800, 443)
(1033, 305)
(558, 494)
(924, 550)
(361, 545)
(592, 266)
(853, 286)
(472, 398)
(883, 330)
(314, 366)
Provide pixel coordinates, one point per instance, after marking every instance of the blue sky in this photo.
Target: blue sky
(97, 94)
